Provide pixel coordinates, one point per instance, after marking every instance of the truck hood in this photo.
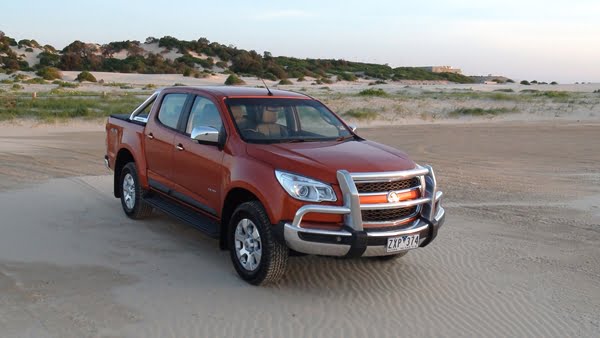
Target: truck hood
(322, 160)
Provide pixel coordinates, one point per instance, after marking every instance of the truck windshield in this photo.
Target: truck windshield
(275, 120)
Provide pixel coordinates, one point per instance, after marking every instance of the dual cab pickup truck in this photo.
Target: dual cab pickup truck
(269, 173)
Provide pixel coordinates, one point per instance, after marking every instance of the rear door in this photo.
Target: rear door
(198, 169)
(160, 133)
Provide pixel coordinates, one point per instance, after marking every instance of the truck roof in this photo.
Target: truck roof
(231, 91)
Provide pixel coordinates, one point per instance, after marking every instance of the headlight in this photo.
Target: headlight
(304, 188)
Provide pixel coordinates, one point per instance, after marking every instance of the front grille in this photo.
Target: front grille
(388, 186)
(387, 215)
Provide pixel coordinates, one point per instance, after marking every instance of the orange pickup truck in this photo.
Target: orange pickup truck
(269, 173)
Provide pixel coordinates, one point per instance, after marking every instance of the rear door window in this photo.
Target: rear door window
(171, 109)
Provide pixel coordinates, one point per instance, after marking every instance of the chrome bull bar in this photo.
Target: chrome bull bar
(351, 210)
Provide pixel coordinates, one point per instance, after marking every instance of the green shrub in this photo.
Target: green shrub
(17, 86)
(49, 73)
(534, 82)
(19, 77)
(529, 91)
(555, 94)
(500, 97)
(326, 80)
(85, 76)
(114, 84)
(177, 84)
(149, 86)
(554, 83)
(479, 111)
(373, 92)
(285, 82)
(187, 72)
(347, 76)
(203, 75)
(525, 82)
(6, 81)
(510, 81)
(361, 114)
(234, 80)
(378, 82)
(270, 76)
(35, 80)
(505, 90)
(301, 79)
(64, 84)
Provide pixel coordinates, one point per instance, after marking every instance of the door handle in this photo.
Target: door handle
(150, 136)
(180, 147)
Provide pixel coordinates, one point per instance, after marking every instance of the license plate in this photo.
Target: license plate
(402, 243)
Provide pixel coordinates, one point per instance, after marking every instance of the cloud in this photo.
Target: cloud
(283, 14)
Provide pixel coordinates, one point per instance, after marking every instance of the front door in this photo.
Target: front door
(198, 169)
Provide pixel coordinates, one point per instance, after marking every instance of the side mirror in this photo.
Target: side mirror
(205, 134)
(353, 128)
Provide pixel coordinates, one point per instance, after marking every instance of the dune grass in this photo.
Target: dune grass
(52, 107)
(373, 92)
(361, 114)
(479, 112)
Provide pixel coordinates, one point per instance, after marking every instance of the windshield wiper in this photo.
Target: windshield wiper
(294, 140)
(344, 138)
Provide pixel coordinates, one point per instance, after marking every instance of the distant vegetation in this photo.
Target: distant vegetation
(63, 84)
(373, 92)
(51, 108)
(49, 73)
(234, 80)
(361, 114)
(479, 111)
(80, 56)
(86, 76)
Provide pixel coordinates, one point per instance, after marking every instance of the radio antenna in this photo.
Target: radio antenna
(268, 90)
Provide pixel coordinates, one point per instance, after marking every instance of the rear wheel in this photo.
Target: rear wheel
(132, 202)
(256, 255)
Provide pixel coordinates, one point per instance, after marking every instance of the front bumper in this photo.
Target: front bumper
(353, 240)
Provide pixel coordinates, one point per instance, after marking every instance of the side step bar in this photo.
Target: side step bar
(199, 221)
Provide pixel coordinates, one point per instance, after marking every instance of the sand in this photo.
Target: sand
(518, 255)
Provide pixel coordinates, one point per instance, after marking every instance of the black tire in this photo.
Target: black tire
(274, 257)
(140, 208)
(391, 257)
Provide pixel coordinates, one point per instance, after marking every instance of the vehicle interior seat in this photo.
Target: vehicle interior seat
(241, 118)
(268, 126)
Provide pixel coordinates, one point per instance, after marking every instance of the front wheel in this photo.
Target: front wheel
(131, 193)
(256, 255)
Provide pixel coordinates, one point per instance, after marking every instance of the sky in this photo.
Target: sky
(525, 39)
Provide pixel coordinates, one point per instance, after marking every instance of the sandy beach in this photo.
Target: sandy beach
(518, 255)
